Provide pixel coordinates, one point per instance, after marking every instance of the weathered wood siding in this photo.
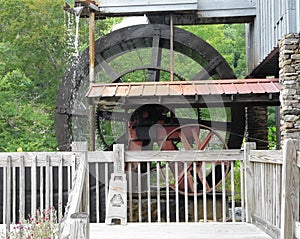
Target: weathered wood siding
(274, 19)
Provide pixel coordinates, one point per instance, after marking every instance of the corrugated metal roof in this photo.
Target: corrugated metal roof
(185, 88)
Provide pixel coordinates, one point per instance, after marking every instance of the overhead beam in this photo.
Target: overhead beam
(137, 7)
(183, 11)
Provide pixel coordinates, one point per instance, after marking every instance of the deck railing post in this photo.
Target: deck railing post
(83, 147)
(249, 190)
(8, 194)
(116, 207)
(290, 189)
(76, 196)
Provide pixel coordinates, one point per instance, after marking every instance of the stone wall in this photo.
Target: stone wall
(257, 126)
(289, 75)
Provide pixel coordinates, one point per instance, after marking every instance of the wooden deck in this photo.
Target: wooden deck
(177, 230)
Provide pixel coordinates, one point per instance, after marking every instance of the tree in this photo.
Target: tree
(228, 40)
(32, 40)
(23, 123)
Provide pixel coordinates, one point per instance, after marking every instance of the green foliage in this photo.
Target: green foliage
(36, 45)
(228, 40)
(32, 49)
(23, 123)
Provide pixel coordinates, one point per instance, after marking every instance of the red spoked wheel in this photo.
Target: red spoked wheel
(190, 176)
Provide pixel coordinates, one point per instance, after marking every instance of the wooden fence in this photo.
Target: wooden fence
(263, 186)
(272, 185)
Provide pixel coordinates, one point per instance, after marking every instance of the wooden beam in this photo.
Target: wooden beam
(250, 201)
(290, 190)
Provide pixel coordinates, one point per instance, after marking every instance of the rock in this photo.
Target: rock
(290, 118)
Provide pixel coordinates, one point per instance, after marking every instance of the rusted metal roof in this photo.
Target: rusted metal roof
(246, 90)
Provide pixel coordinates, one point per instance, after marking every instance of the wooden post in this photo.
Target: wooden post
(22, 187)
(76, 194)
(92, 78)
(290, 190)
(47, 186)
(83, 147)
(249, 190)
(8, 194)
(79, 227)
(33, 185)
(116, 204)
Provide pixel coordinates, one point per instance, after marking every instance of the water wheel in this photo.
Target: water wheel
(137, 54)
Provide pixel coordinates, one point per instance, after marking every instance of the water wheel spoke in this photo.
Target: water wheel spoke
(196, 136)
(185, 141)
(208, 70)
(154, 75)
(107, 68)
(206, 141)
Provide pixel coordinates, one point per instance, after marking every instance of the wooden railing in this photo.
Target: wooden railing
(42, 180)
(272, 189)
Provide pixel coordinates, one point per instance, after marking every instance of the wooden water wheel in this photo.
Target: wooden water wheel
(142, 54)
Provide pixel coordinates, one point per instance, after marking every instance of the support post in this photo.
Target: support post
(79, 227)
(290, 190)
(249, 192)
(116, 206)
(92, 78)
(171, 47)
(82, 147)
(78, 196)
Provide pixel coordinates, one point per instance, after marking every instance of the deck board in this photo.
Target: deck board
(177, 230)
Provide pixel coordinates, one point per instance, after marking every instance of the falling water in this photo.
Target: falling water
(77, 11)
(79, 109)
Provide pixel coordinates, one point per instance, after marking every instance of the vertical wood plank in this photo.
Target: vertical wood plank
(33, 185)
(4, 193)
(249, 179)
(97, 193)
(149, 191)
(73, 169)
(158, 192)
(47, 185)
(290, 190)
(262, 192)
(22, 187)
(167, 192)
(186, 200)
(14, 191)
(129, 191)
(60, 187)
(223, 192)
(139, 192)
(83, 148)
(41, 189)
(232, 191)
(278, 193)
(214, 191)
(195, 192)
(204, 192)
(69, 180)
(8, 195)
(176, 192)
(242, 182)
(51, 185)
